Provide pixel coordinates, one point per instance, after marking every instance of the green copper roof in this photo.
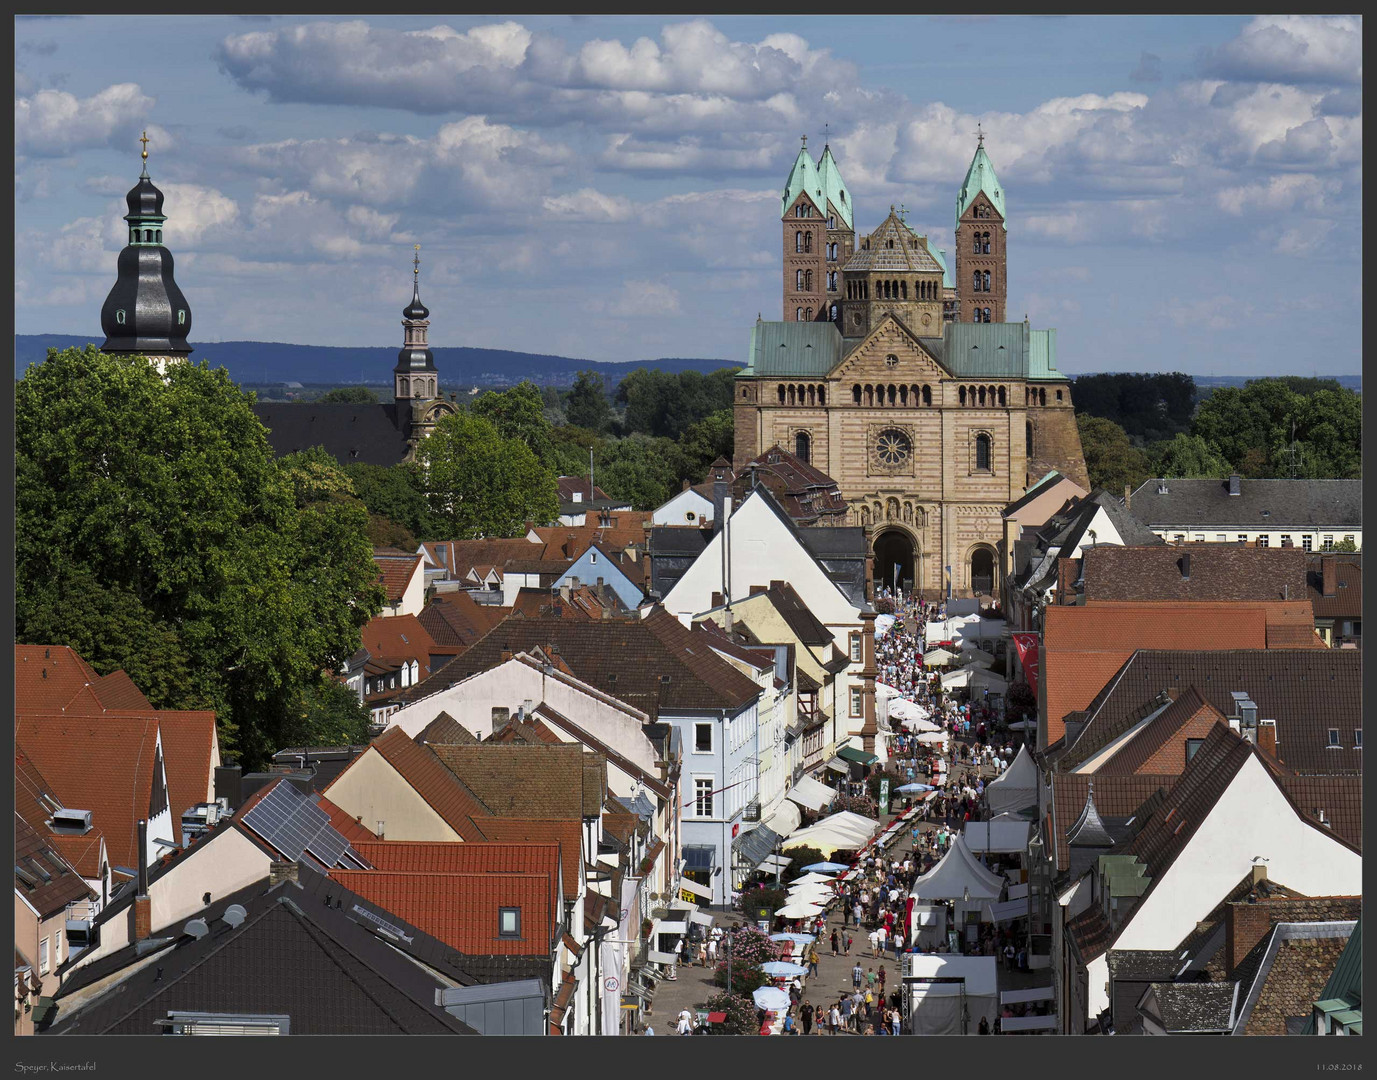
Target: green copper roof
(804, 349)
(1344, 989)
(980, 177)
(803, 177)
(996, 350)
(833, 187)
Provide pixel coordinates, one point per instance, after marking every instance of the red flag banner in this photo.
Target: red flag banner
(1027, 646)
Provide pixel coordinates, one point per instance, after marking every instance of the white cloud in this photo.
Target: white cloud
(1305, 238)
(1293, 48)
(1215, 313)
(1284, 192)
(588, 204)
(644, 300)
(51, 123)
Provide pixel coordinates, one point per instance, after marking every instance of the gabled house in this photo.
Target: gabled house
(400, 654)
(599, 565)
(402, 576)
(579, 496)
(1335, 585)
(290, 953)
(1032, 510)
(47, 892)
(691, 506)
(1226, 815)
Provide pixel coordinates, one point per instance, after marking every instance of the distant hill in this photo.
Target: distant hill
(273, 362)
(1203, 382)
(276, 362)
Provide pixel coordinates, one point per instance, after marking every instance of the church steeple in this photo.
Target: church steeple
(982, 283)
(146, 313)
(415, 377)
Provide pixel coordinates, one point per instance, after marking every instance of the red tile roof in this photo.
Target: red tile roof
(462, 909)
(1083, 647)
(565, 833)
(189, 757)
(49, 678)
(397, 639)
(103, 764)
(627, 529)
(117, 691)
(395, 571)
(55, 883)
(454, 857)
(455, 621)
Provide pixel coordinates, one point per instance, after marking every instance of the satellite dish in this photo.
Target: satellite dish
(235, 914)
(197, 928)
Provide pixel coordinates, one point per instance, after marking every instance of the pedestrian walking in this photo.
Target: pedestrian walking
(834, 1018)
(685, 1025)
(849, 942)
(874, 943)
(846, 1013)
(812, 961)
(648, 1030)
(835, 943)
(805, 1014)
(856, 975)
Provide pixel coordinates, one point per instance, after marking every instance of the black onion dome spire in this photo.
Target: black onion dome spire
(145, 312)
(415, 355)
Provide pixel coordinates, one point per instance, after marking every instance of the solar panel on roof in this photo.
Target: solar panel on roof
(290, 821)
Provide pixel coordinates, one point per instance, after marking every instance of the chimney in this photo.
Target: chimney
(1259, 872)
(1235, 485)
(717, 600)
(506, 655)
(1329, 575)
(1128, 492)
(143, 906)
(228, 780)
(686, 484)
(1244, 926)
(756, 590)
(1186, 566)
(1267, 737)
(719, 498)
(777, 585)
(279, 872)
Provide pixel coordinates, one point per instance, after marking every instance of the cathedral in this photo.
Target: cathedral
(146, 314)
(902, 380)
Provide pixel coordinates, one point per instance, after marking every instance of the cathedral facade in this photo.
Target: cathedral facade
(903, 381)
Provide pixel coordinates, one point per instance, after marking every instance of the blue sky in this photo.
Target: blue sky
(1183, 193)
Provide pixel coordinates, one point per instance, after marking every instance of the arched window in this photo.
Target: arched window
(893, 393)
(927, 395)
(856, 394)
(812, 395)
(798, 280)
(832, 313)
(889, 243)
(798, 314)
(982, 451)
(1001, 397)
(807, 314)
(822, 390)
(781, 393)
(793, 396)
(869, 396)
(1028, 439)
(158, 236)
(181, 316)
(987, 243)
(903, 289)
(1058, 395)
(975, 281)
(987, 281)
(903, 395)
(962, 394)
(1042, 397)
(981, 395)
(808, 280)
(798, 239)
(406, 388)
(987, 314)
(803, 447)
(807, 241)
(976, 250)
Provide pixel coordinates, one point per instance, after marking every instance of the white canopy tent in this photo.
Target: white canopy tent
(958, 876)
(974, 678)
(998, 837)
(883, 624)
(928, 925)
(1016, 788)
(799, 909)
(904, 709)
(885, 696)
(809, 793)
(812, 878)
(843, 831)
(971, 655)
(939, 658)
(951, 994)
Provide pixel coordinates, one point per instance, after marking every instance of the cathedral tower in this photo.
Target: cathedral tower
(982, 286)
(819, 236)
(145, 313)
(415, 379)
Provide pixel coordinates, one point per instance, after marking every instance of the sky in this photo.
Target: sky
(1184, 194)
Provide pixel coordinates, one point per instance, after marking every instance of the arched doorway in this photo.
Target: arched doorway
(982, 572)
(894, 551)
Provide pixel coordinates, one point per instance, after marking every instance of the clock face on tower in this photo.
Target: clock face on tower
(893, 447)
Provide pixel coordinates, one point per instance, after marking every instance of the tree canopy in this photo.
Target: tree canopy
(1251, 427)
(519, 413)
(664, 404)
(1111, 460)
(349, 395)
(1149, 407)
(587, 405)
(480, 483)
(215, 575)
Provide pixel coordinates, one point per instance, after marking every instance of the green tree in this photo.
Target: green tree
(706, 441)
(740, 1014)
(519, 413)
(587, 406)
(482, 484)
(349, 395)
(325, 713)
(1110, 458)
(1148, 407)
(1346, 545)
(1256, 427)
(570, 446)
(161, 494)
(397, 494)
(1188, 456)
(662, 404)
(640, 470)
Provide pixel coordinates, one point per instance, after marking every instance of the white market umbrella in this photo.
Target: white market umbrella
(771, 999)
(799, 909)
(921, 725)
(933, 738)
(783, 969)
(811, 879)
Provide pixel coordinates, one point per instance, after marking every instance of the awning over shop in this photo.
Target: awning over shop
(785, 819)
(699, 856)
(860, 757)
(775, 862)
(690, 886)
(1008, 910)
(1036, 993)
(702, 918)
(756, 846)
(671, 926)
(838, 765)
(807, 792)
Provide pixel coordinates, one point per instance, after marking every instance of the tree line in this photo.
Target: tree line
(1288, 426)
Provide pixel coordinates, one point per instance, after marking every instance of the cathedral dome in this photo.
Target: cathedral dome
(144, 200)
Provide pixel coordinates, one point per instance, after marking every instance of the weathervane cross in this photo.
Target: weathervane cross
(980, 136)
(144, 139)
(416, 261)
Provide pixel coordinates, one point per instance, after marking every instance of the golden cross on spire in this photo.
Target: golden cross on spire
(144, 139)
(980, 136)
(416, 261)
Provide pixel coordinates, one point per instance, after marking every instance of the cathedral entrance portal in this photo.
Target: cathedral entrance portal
(894, 555)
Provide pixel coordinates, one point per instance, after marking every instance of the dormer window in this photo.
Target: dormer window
(509, 922)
